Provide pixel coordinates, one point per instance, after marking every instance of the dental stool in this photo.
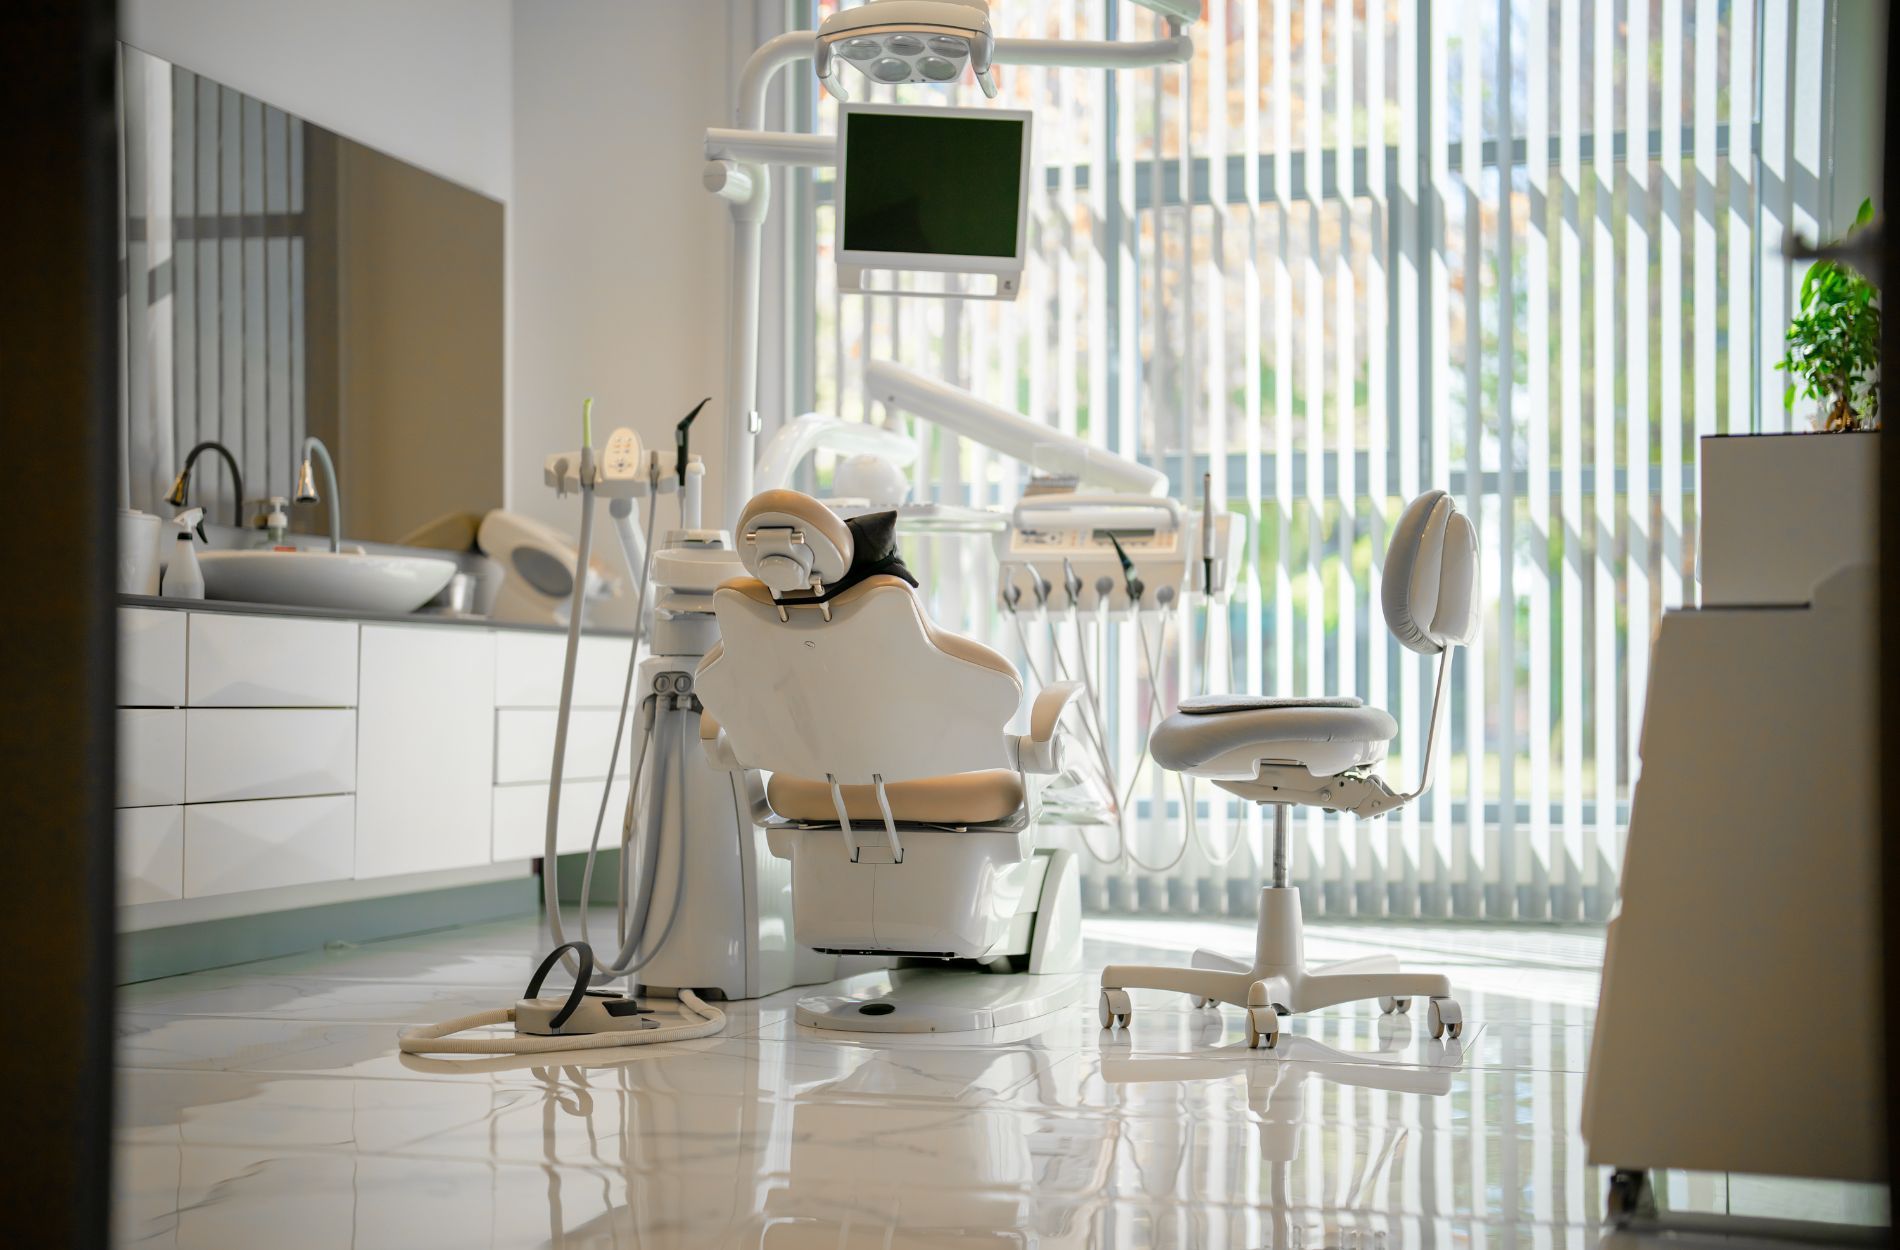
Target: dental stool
(897, 792)
(1319, 753)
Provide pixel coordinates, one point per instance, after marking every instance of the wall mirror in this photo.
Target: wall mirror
(281, 280)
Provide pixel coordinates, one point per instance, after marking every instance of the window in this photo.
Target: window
(1527, 250)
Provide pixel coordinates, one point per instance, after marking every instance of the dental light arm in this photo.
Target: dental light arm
(1010, 433)
(800, 437)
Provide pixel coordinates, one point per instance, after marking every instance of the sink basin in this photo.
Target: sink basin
(347, 581)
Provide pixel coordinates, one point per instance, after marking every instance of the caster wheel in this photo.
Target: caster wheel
(1114, 1009)
(1198, 1002)
(1263, 1028)
(1388, 1006)
(1630, 1196)
(1446, 1019)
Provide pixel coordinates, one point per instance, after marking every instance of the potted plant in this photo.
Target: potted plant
(1834, 343)
(1780, 513)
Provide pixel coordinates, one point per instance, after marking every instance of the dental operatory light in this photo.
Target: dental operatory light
(907, 41)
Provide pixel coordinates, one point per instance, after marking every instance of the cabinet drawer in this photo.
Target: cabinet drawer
(151, 757)
(151, 854)
(425, 759)
(521, 818)
(151, 658)
(528, 670)
(267, 661)
(270, 842)
(268, 753)
(524, 744)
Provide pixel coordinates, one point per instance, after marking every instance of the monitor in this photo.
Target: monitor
(937, 191)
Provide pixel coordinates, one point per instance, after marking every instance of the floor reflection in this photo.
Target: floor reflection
(268, 1106)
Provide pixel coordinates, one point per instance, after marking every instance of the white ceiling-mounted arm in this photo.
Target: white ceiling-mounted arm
(744, 182)
(796, 439)
(1011, 433)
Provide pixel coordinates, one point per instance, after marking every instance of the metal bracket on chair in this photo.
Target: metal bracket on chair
(851, 847)
(890, 824)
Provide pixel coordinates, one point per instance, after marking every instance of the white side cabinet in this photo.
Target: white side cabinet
(151, 781)
(425, 749)
(527, 692)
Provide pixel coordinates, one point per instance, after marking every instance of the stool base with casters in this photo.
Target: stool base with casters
(1277, 982)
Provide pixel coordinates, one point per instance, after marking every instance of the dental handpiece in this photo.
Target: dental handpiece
(1073, 581)
(1136, 587)
(1040, 586)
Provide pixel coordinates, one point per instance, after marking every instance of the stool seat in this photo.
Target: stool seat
(1327, 734)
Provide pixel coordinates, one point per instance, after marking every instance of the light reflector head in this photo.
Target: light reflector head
(907, 41)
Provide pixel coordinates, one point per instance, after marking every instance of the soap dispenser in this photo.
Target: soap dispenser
(183, 578)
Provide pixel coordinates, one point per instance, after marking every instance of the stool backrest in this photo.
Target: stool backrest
(1431, 588)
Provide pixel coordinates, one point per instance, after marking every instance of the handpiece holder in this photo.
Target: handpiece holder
(620, 471)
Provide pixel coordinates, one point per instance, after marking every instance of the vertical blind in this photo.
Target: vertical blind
(1528, 251)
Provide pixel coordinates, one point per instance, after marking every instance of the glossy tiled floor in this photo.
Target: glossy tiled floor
(267, 1106)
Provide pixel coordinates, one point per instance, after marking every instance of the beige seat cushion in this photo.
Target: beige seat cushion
(980, 798)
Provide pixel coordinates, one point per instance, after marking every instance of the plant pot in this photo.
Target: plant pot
(1780, 512)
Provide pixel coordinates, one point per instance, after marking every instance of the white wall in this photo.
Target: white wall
(429, 81)
(620, 258)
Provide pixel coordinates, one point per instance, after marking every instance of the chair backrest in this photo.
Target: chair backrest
(1431, 588)
(854, 686)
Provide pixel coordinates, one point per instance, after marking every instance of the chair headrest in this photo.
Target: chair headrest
(793, 543)
(1431, 591)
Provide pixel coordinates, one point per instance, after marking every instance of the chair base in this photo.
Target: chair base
(939, 1000)
(1278, 982)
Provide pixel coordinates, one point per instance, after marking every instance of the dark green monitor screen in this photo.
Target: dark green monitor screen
(941, 186)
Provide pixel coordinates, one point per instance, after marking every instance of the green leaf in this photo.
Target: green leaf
(1865, 215)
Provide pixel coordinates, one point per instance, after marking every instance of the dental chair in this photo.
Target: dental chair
(897, 791)
(1319, 753)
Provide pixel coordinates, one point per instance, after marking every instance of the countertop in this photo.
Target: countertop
(332, 614)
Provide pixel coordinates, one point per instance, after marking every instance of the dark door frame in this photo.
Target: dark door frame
(59, 458)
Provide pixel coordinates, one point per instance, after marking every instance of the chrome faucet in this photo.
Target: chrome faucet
(182, 483)
(307, 487)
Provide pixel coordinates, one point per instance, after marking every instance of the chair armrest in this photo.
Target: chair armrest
(715, 744)
(1039, 750)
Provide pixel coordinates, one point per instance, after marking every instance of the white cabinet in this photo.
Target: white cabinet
(270, 661)
(151, 757)
(260, 751)
(524, 744)
(151, 854)
(261, 845)
(268, 753)
(521, 818)
(527, 689)
(425, 748)
(528, 670)
(151, 658)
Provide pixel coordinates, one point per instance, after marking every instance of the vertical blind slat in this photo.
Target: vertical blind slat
(1604, 687)
(1504, 560)
(1570, 447)
(1543, 856)
(1319, 854)
(1469, 835)
(1675, 206)
(1636, 373)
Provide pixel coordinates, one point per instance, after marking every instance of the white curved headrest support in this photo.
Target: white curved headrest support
(793, 543)
(1431, 588)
